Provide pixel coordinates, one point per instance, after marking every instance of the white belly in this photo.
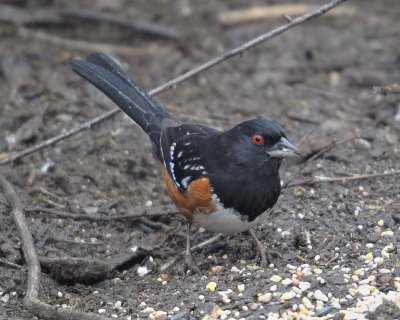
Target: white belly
(226, 221)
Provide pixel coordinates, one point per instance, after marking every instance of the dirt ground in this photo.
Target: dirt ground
(335, 245)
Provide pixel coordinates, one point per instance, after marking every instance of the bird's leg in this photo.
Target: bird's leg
(260, 249)
(188, 255)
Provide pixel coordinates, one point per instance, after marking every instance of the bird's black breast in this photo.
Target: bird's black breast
(248, 194)
(250, 190)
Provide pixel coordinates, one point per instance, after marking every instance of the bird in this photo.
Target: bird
(224, 181)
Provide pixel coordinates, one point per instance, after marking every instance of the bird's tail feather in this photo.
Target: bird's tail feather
(105, 74)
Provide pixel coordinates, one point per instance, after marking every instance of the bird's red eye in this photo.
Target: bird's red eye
(257, 139)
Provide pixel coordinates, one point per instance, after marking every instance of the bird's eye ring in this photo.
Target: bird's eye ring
(258, 139)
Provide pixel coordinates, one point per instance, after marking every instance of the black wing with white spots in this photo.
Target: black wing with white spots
(181, 152)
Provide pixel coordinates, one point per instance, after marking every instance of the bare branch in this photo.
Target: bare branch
(31, 300)
(352, 177)
(137, 213)
(386, 90)
(259, 13)
(201, 245)
(315, 156)
(173, 83)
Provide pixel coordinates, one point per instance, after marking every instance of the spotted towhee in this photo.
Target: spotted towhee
(223, 181)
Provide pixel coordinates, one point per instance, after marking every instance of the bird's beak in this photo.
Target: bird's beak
(284, 149)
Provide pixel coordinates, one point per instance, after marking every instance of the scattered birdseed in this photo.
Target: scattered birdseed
(317, 270)
(142, 271)
(240, 287)
(275, 278)
(254, 306)
(288, 296)
(384, 271)
(304, 286)
(319, 295)
(264, 298)
(211, 286)
(387, 233)
(368, 257)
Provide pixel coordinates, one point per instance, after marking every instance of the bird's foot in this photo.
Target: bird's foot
(190, 265)
(261, 253)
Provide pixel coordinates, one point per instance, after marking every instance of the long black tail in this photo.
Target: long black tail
(105, 74)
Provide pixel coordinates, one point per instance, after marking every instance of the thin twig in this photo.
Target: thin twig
(31, 300)
(196, 247)
(352, 177)
(23, 17)
(386, 90)
(150, 28)
(76, 44)
(305, 137)
(315, 156)
(259, 13)
(138, 213)
(173, 83)
(9, 264)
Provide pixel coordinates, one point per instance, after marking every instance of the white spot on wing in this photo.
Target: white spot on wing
(198, 168)
(185, 181)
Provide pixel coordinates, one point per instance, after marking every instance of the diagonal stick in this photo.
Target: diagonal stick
(173, 83)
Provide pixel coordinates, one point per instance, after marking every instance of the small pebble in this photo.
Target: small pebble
(102, 311)
(324, 311)
(215, 269)
(201, 297)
